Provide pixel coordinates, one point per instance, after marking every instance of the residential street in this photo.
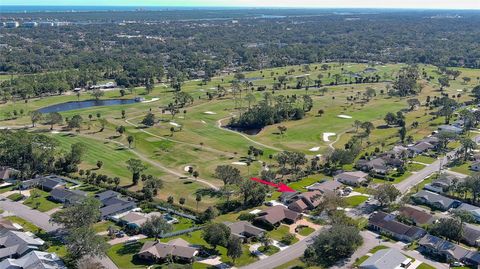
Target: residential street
(294, 251)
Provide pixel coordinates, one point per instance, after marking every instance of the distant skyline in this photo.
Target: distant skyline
(418, 4)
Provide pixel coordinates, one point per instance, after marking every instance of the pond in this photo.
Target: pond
(74, 105)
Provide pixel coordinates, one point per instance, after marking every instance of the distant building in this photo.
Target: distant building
(474, 210)
(450, 129)
(30, 24)
(244, 230)
(46, 183)
(419, 217)
(137, 219)
(12, 24)
(67, 196)
(451, 252)
(327, 186)
(475, 166)
(435, 200)
(274, 215)
(113, 204)
(14, 244)
(178, 249)
(34, 259)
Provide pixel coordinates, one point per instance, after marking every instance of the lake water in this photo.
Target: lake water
(74, 105)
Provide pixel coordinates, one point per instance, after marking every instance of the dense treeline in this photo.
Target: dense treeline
(252, 43)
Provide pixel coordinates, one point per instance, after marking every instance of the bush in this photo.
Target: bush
(246, 216)
(288, 239)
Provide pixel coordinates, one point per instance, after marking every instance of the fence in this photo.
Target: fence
(181, 232)
(181, 214)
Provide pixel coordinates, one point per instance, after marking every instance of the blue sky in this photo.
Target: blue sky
(434, 4)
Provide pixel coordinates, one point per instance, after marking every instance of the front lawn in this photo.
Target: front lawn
(38, 200)
(304, 231)
(356, 200)
(280, 232)
(102, 226)
(270, 250)
(124, 255)
(5, 189)
(425, 266)
(15, 197)
(424, 159)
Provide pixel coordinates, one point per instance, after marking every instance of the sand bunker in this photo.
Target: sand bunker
(187, 168)
(239, 163)
(209, 113)
(204, 122)
(314, 149)
(326, 136)
(55, 132)
(151, 100)
(175, 124)
(344, 116)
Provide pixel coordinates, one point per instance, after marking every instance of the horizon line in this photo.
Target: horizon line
(248, 7)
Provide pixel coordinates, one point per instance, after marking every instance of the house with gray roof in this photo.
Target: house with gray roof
(178, 249)
(34, 260)
(113, 204)
(450, 129)
(420, 147)
(46, 183)
(354, 178)
(385, 223)
(388, 258)
(442, 183)
(244, 230)
(67, 196)
(14, 244)
(437, 247)
(474, 210)
(435, 200)
(471, 234)
(325, 186)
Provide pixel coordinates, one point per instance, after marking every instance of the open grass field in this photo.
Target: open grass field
(202, 143)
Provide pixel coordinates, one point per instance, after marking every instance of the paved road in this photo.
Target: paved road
(294, 251)
(36, 217)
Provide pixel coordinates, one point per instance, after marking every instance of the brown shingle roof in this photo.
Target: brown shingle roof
(418, 216)
(276, 214)
(177, 247)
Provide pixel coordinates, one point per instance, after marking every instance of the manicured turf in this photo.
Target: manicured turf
(270, 250)
(38, 200)
(104, 225)
(280, 232)
(424, 159)
(15, 197)
(304, 231)
(427, 266)
(354, 201)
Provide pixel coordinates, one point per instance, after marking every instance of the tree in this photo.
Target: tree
(386, 194)
(149, 119)
(444, 82)
(35, 116)
(228, 174)
(99, 164)
(88, 263)
(97, 94)
(170, 199)
(329, 203)
(282, 129)
(84, 242)
(121, 129)
(330, 246)
(449, 228)
(130, 140)
(103, 123)
(467, 145)
(357, 124)
(253, 193)
(234, 248)
(195, 174)
(414, 102)
(75, 122)
(216, 234)
(156, 226)
(390, 118)
(402, 133)
(208, 214)
(123, 114)
(116, 181)
(181, 200)
(198, 199)
(368, 127)
(54, 118)
(79, 215)
(135, 166)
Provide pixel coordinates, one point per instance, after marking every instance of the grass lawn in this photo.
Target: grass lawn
(354, 201)
(463, 168)
(304, 231)
(297, 264)
(5, 189)
(123, 255)
(425, 266)
(372, 251)
(15, 197)
(102, 226)
(424, 159)
(38, 200)
(415, 167)
(304, 182)
(280, 232)
(270, 250)
(27, 226)
(183, 223)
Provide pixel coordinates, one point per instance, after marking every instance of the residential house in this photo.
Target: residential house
(244, 230)
(388, 258)
(376, 165)
(355, 178)
(6, 224)
(420, 147)
(14, 244)
(435, 200)
(448, 251)
(137, 219)
(475, 166)
(331, 186)
(288, 197)
(418, 217)
(306, 201)
(471, 234)
(178, 249)
(46, 183)
(7, 173)
(66, 196)
(450, 129)
(274, 215)
(442, 183)
(34, 260)
(385, 223)
(113, 204)
(474, 210)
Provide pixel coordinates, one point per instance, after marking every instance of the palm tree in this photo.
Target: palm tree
(467, 145)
